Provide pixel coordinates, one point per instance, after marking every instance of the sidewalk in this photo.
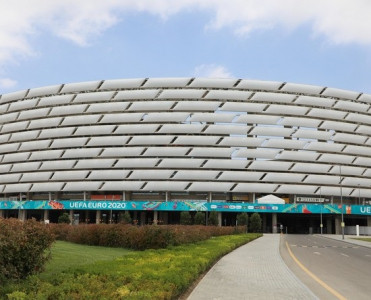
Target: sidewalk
(349, 239)
(253, 271)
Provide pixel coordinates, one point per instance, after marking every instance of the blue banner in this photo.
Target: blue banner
(188, 206)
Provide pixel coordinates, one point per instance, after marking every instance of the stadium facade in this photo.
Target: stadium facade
(158, 146)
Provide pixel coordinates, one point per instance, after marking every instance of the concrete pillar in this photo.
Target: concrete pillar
(329, 225)
(167, 196)
(98, 215)
(210, 197)
(274, 223)
(21, 214)
(338, 225)
(135, 218)
(142, 218)
(123, 196)
(155, 217)
(264, 222)
(369, 221)
(1, 213)
(71, 216)
(219, 219)
(46, 216)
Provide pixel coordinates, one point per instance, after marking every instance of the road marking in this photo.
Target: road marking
(324, 285)
(344, 255)
(304, 246)
(368, 255)
(317, 253)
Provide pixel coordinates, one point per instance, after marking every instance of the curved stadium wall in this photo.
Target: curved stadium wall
(185, 135)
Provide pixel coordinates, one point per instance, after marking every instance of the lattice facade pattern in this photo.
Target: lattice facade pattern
(186, 134)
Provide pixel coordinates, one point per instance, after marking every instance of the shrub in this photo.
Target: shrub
(126, 218)
(64, 218)
(242, 219)
(24, 248)
(199, 218)
(213, 219)
(255, 223)
(185, 218)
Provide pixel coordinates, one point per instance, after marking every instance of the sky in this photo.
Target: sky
(318, 42)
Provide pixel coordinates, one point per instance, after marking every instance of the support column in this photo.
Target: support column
(264, 222)
(329, 225)
(338, 225)
(369, 221)
(155, 217)
(274, 223)
(142, 218)
(164, 217)
(219, 219)
(1, 213)
(167, 196)
(71, 216)
(46, 217)
(98, 215)
(135, 219)
(21, 214)
(210, 197)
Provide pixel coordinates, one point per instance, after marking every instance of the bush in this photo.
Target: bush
(64, 218)
(213, 219)
(24, 248)
(199, 218)
(139, 238)
(185, 218)
(255, 223)
(242, 219)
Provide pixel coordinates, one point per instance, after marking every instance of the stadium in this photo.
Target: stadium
(300, 155)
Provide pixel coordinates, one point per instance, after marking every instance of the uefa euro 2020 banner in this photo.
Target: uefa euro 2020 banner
(187, 206)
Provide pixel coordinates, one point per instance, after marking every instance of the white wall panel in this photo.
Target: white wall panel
(47, 187)
(315, 101)
(297, 189)
(352, 106)
(363, 161)
(284, 143)
(228, 95)
(213, 83)
(55, 100)
(286, 110)
(352, 181)
(68, 110)
(137, 128)
(211, 186)
(151, 140)
(94, 130)
(273, 97)
(121, 84)
(338, 93)
(334, 191)
(336, 158)
(122, 151)
(9, 178)
(15, 157)
(24, 136)
(357, 150)
(258, 119)
(82, 186)
(9, 147)
(225, 164)
(165, 186)
(195, 175)
(270, 165)
(326, 113)
(255, 188)
(301, 88)
(107, 107)
(122, 185)
(69, 175)
(298, 155)
(240, 176)
(57, 165)
(45, 123)
(259, 85)
(80, 86)
(107, 141)
(180, 128)
(181, 163)
(364, 129)
(210, 152)
(87, 152)
(212, 117)
(4, 108)
(136, 163)
(341, 126)
(349, 138)
(56, 132)
(24, 167)
(93, 97)
(227, 129)
(136, 94)
(33, 114)
(6, 168)
(247, 107)
(10, 117)
(271, 131)
(365, 98)
(20, 105)
(4, 138)
(197, 105)
(166, 82)
(13, 96)
(196, 140)
(348, 170)
(164, 117)
(312, 134)
(151, 106)
(121, 118)
(325, 147)
(284, 177)
(151, 174)
(81, 120)
(17, 188)
(108, 174)
(45, 155)
(256, 153)
(42, 91)
(36, 176)
(241, 141)
(166, 151)
(69, 143)
(322, 179)
(94, 163)
(358, 118)
(310, 168)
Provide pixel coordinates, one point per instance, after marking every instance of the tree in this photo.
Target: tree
(199, 218)
(242, 219)
(255, 223)
(126, 218)
(213, 219)
(185, 218)
(64, 218)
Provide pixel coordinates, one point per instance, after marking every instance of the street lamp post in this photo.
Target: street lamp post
(320, 197)
(341, 205)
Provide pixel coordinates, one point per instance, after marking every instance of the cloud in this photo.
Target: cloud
(7, 83)
(212, 71)
(81, 21)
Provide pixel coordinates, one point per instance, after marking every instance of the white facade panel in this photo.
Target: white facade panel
(24, 136)
(247, 107)
(284, 144)
(180, 128)
(44, 123)
(9, 147)
(107, 141)
(259, 85)
(241, 141)
(17, 188)
(122, 186)
(182, 94)
(57, 165)
(197, 105)
(225, 164)
(137, 128)
(227, 129)
(81, 120)
(256, 153)
(270, 165)
(349, 170)
(286, 110)
(166, 82)
(9, 178)
(10, 117)
(327, 113)
(196, 140)
(151, 174)
(93, 97)
(271, 131)
(151, 140)
(349, 138)
(166, 151)
(122, 151)
(36, 176)
(240, 176)
(87, 152)
(180, 163)
(301, 88)
(313, 134)
(68, 110)
(213, 83)
(151, 106)
(43, 91)
(325, 147)
(136, 163)
(258, 119)
(121, 118)
(210, 152)
(322, 179)
(211, 117)
(82, 186)
(68, 143)
(107, 107)
(108, 174)
(94, 130)
(80, 86)
(94, 163)
(315, 101)
(284, 177)
(56, 132)
(24, 167)
(15, 157)
(358, 118)
(341, 126)
(195, 175)
(211, 186)
(55, 100)
(336, 158)
(255, 188)
(69, 175)
(359, 150)
(33, 114)
(166, 117)
(298, 155)
(352, 106)
(297, 189)
(338, 93)
(13, 96)
(136, 94)
(165, 186)
(47, 187)
(300, 121)
(228, 95)
(121, 84)
(21, 105)
(273, 97)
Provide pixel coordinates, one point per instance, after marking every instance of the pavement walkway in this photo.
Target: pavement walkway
(349, 239)
(253, 271)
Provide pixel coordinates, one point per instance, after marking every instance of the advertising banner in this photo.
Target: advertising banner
(188, 206)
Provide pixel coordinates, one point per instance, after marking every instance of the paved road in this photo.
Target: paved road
(253, 271)
(343, 267)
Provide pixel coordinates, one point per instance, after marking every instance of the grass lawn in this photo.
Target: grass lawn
(363, 239)
(67, 255)
(86, 272)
